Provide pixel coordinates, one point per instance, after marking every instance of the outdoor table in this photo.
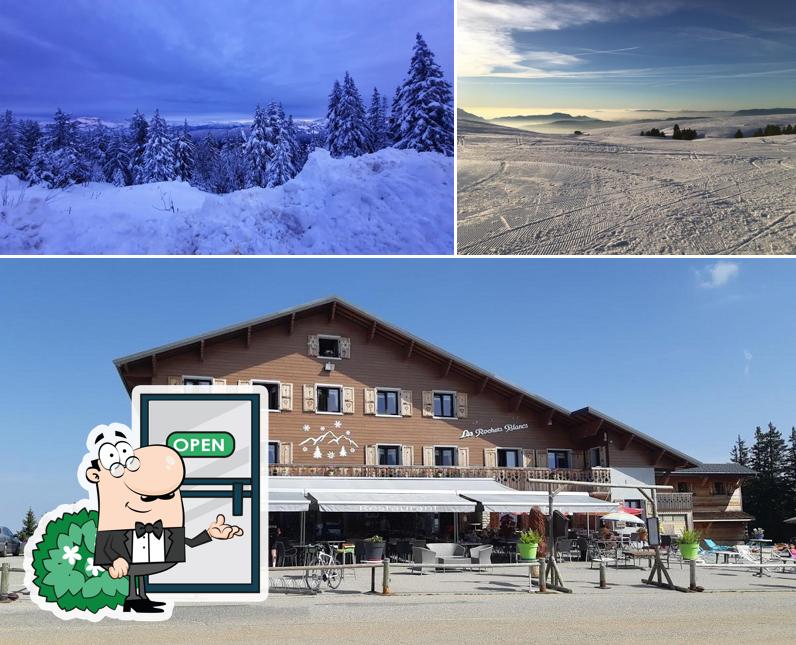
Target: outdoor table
(640, 554)
(452, 559)
(760, 542)
(469, 545)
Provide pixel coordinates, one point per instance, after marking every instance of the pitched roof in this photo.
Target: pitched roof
(338, 306)
(730, 468)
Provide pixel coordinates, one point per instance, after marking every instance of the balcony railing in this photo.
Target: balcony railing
(673, 502)
(516, 478)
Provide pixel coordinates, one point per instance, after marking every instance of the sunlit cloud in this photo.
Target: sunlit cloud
(717, 274)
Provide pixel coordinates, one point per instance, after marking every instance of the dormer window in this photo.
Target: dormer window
(329, 347)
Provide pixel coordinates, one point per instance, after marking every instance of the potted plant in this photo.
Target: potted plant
(529, 543)
(374, 548)
(689, 544)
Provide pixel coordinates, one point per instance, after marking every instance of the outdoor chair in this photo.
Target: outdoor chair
(404, 551)
(715, 549)
(564, 547)
(422, 555)
(481, 555)
(446, 549)
(286, 556)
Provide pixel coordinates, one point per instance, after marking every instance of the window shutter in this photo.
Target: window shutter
(461, 405)
(348, 400)
(175, 380)
(345, 348)
(309, 398)
(428, 455)
(528, 460)
(370, 455)
(370, 400)
(286, 397)
(490, 457)
(312, 345)
(577, 459)
(285, 453)
(428, 403)
(541, 458)
(463, 457)
(407, 455)
(406, 403)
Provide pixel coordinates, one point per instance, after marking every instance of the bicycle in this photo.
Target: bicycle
(317, 573)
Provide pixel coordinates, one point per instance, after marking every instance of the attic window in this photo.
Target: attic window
(329, 347)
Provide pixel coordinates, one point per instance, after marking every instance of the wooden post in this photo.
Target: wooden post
(692, 585)
(5, 575)
(542, 576)
(603, 584)
(530, 578)
(385, 580)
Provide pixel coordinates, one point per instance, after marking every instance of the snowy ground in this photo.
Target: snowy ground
(616, 192)
(390, 202)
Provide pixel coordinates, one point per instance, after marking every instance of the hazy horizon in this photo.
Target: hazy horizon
(711, 55)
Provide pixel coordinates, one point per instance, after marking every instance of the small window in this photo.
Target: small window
(387, 403)
(596, 457)
(720, 488)
(683, 487)
(197, 380)
(444, 405)
(557, 459)
(389, 455)
(328, 347)
(445, 456)
(508, 458)
(273, 452)
(329, 399)
(273, 394)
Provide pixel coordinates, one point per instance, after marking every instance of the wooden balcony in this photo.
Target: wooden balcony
(516, 478)
(675, 502)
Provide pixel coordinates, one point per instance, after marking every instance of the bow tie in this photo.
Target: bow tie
(141, 529)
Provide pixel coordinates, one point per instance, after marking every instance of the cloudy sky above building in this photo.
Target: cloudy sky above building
(207, 60)
(672, 54)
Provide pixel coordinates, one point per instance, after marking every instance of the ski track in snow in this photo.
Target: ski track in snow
(389, 202)
(615, 192)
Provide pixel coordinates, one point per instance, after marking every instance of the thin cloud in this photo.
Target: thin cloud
(747, 358)
(717, 275)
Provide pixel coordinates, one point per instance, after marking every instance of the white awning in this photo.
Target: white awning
(368, 501)
(511, 501)
(290, 501)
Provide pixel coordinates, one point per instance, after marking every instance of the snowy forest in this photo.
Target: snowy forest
(273, 150)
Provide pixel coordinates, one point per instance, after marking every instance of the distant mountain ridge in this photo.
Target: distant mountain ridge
(763, 112)
(467, 116)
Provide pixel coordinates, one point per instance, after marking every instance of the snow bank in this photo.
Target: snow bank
(390, 202)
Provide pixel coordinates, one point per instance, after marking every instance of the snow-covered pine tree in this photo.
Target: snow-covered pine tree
(377, 122)
(274, 121)
(184, 152)
(394, 121)
(333, 114)
(138, 137)
(29, 133)
(349, 135)
(255, 151)
(158, 161)
(281, 170)
(117, 159)
(297, 151)
(425, 116)
(8, 144)
(207, 150)
(56, 161)
(95, 152)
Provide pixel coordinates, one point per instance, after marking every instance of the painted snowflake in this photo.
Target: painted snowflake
(304, 449)
(338, 424)
(330, 454)
(306, 427)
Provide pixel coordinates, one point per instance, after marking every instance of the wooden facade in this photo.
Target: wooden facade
(489, 416)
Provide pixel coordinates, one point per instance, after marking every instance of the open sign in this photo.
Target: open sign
(202, 444)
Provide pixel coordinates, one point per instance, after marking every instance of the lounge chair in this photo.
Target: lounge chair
(717, 550)
(481, 555)
(421, 555)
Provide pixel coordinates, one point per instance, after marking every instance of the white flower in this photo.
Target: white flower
(330, 454)
(93, 569)
(306, 427)
(338, 424)
(71, 554)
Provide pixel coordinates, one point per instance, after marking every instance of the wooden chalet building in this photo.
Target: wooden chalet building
(354, 396)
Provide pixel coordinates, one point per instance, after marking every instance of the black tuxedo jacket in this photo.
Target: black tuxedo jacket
(112, 545)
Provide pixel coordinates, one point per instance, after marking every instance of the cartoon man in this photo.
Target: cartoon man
(141, 528)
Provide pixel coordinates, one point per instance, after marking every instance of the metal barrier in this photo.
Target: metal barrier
(5, 580)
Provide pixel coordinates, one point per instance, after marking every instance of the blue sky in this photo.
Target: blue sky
(205, 59)
(672, 54)
(692, 352)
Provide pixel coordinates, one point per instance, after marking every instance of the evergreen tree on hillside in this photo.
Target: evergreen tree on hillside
(228, 172)
(764, 494)
(57, 161)
(184, 151)
(394, 121)
(138, 137)
(117, 159)
(158, 161)
(207, 150)
(333, 113)
(256, 151)
(95, 152)
(740, 452)
(28, 137)
(29, 524)
(425, 107)
(297, 152)
(790, 475)
(8, 144)
(274, 120)
(281, 170)
(349, 135)
(377, 122)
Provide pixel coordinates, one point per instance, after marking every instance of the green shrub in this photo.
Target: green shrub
(376, 539)
(690, 536)
(531, 537)
(63, 564)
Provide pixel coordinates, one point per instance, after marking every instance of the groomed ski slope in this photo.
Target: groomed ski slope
(389, 202)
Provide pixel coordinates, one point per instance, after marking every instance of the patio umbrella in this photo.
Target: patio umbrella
(628, 509)
(791, 520)
(620, 516)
